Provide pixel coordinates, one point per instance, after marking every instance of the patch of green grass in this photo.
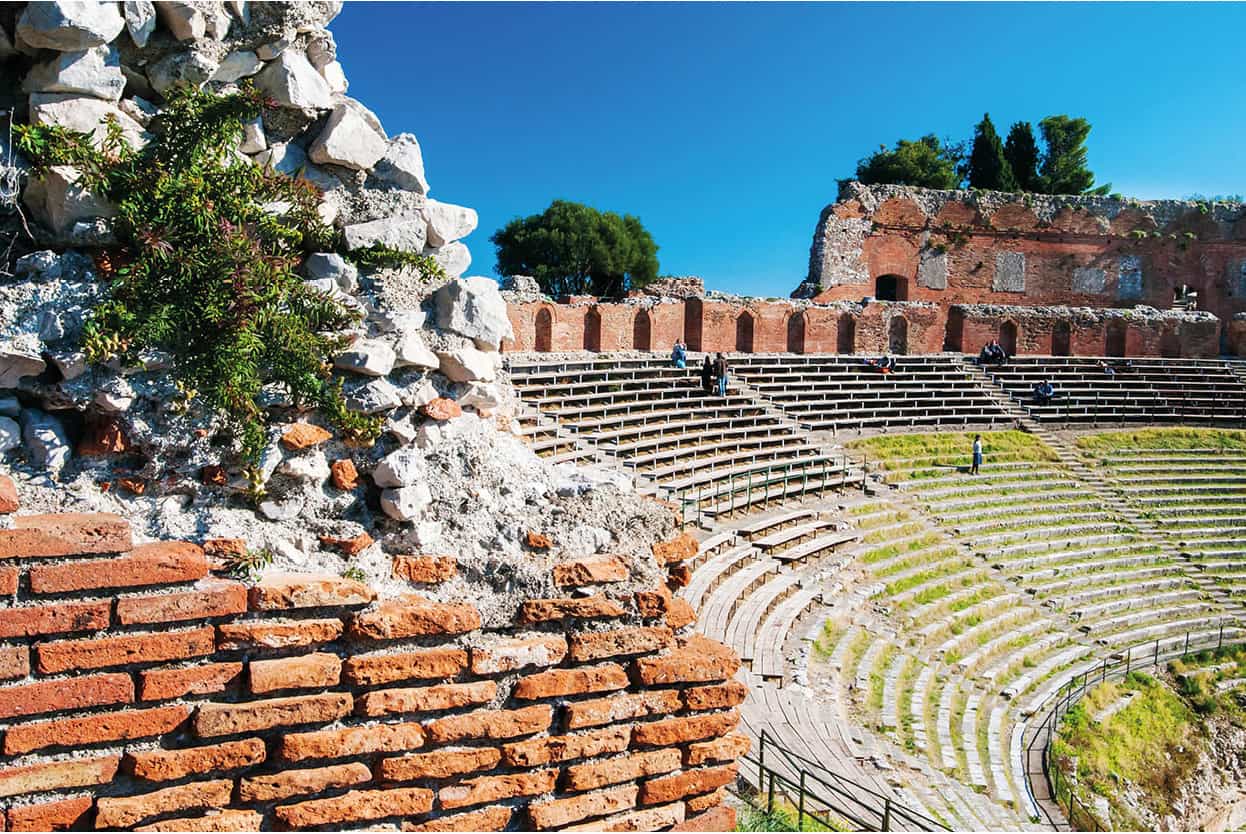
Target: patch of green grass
(782, 817)
(1163, 439)
(920, 452)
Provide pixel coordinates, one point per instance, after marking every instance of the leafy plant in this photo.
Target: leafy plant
(378, 256)
(355, 573)
(205, 270)
(249, 564)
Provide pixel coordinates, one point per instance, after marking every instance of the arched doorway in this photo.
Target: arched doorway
(642, 331)
(1008, 337)
(954, 336)
(1062, 339)
(744, 333)
(544, 330)
(898, 336)
(846, 339)
(891, 288)
(592, 330)
(1114, 343)
(796, 333)
(1170, 344)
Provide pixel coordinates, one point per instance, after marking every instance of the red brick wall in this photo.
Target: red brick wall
(1088, 334)
(142, 690)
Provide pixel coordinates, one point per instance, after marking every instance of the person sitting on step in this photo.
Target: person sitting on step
(1044, 392)
(679, 354)
(884, 365)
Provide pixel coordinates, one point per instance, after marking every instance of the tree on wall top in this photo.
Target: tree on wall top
(1064, 169)
(987, 167)
(1021, 152)
(926, 163)
(573, 249)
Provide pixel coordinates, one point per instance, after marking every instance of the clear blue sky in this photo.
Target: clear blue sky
(725, 127)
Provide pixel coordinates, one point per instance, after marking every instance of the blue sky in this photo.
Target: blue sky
(724, 127)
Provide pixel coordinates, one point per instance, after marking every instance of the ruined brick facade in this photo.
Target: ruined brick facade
(141, 691)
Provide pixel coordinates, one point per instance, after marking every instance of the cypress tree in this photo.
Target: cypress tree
(1021, 151)
(987, 166)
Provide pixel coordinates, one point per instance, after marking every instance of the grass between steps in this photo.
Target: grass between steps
(1163, 439)
(913, 456)
(782, 817)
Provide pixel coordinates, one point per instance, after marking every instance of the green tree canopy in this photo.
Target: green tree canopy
(1064, 169)
(987, 166)
(926, 163)
(572, 249)
(1021, 151)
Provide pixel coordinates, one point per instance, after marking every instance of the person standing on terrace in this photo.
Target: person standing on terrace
(977, 454)
(720, 373)
(679, 354)
(707, 375)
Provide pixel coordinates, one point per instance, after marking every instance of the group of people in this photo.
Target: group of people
(884, 365)
(713, 371)
(993, 354)
(1044, 392)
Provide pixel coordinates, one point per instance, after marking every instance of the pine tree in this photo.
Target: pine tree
(1021, 151)
(1064, 166)
(987, 166)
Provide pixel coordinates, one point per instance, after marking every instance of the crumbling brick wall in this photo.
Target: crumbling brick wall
(145, 691)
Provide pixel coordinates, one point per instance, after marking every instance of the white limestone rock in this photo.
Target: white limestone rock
(92, 72)
(335, 77)
(69, 25)
(352, 137)
(10, 434)
(313, 467)
(71, 364)
(402, 429)
(454, 258)
(114, 396)
(293, 82)
(412, 352)
(368, 357)
(395, 321)
(189, 68)
(283, 510)
(466, 364)
(58, 202)
(17, 361)
(272, 49)
(187, 21)
(139, 109)
(421, 393)
(253, 139)
(140, 20)
(284, 158)
(321, 49)
(335, 268)
(406, 503)
(479, 396)
(237, 65)
(404, 232)
(403, 165)
(45, 440)
(474, 307)
(401, 468)
(373, 397)
(85, 115)
(448, 222)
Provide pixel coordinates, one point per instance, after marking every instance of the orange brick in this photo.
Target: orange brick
(124, 812)
(14, 662)
(510, 655)
(426, 698)
(304, 436)
(64, 534)
(426, 570)
(557, 813)
(276, 634)
(168, 765)
(538, 541)
(697, 660)
(539, 751)
(159, 684)
(68, 693)
(441, 408)
(210, 598)
(344, 474)
(414, 616)
(670, 788)
(228, 719)
(161, 563)
(50, 776)
(71, 655)
(680, 613)
(654, 603)
(718, 696)
(584, 777)
(493, 724)
(299, 782)
(357, 805)
(682, 547)
(107, 726)
(590, 570)
(718, 818)
(373, 669)
(678, 576)
(9, 502)
(679, 730)
(230, 820)
(50, 816)
(352, 741)
(8, 581)
(621, 707)
(492, 788)
(493, 818)
(725, 749)
(696, 804)
(301, 672)
(545, 610)
(440, 764)
(646, 819)
(350, 547)
(603, 678)
(283, 591)
(622, 641)
(34, 620)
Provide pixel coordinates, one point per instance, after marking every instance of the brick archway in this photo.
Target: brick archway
(544, 336)
(592, 330)
(891, 288)
(642, 331)
(1008, 337)
(1062, 339)
(1114, 340)
(898, 335)
(846, 335)
(744, 333)
(796, 326)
